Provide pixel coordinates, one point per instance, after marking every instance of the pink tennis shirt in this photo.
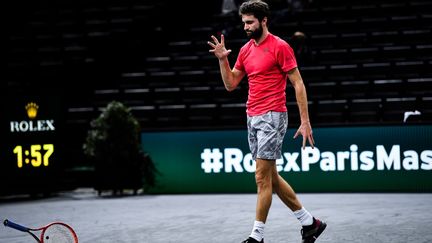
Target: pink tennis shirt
(266, 66)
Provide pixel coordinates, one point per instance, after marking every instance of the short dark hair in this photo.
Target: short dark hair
(257, 8)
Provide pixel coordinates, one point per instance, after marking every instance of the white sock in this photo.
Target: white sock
(258, 231)
(304, 217)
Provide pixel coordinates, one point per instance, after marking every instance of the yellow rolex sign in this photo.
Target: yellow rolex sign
(31, 151)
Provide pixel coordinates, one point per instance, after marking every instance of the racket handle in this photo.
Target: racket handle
(15, 226)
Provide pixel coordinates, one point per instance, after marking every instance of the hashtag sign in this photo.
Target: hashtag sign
(211, 160)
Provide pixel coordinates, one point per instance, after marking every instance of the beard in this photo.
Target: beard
(256, 34)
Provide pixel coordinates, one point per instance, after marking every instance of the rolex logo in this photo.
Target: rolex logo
(33, 125)
(32, 109)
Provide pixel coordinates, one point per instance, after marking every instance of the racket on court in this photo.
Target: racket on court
(56, 232)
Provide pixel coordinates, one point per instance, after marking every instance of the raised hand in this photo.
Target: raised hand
(219, 47)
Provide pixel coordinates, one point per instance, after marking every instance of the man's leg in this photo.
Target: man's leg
(311, 227)
(285, 191)
(289, 197)
(263, 178)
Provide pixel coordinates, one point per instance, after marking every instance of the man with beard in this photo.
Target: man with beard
(268, 61)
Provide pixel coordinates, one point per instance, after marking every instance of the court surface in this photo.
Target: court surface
(351, 217)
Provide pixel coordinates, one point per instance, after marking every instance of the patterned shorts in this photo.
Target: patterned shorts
(266, 133)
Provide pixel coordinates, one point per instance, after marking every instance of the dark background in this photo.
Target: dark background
(367, 62)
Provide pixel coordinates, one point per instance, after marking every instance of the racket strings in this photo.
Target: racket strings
(58, 234)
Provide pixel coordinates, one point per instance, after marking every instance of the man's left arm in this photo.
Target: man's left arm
(305, 128)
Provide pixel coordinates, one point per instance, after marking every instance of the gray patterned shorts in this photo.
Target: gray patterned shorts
(266, 133)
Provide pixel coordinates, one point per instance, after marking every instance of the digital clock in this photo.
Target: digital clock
(34, 136)
(31, 151)
(37, 155)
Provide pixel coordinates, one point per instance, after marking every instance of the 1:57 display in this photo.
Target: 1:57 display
(39, 154)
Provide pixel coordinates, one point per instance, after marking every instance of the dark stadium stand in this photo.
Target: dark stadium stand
(372, 60)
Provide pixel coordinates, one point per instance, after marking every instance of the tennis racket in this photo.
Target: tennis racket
(56, 232)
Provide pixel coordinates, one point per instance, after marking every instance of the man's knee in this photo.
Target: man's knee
(263, 178)
(263, 173)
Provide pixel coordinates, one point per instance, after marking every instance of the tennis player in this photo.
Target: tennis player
(268, 61)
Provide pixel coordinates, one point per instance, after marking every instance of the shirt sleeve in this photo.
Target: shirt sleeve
(286, 57)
